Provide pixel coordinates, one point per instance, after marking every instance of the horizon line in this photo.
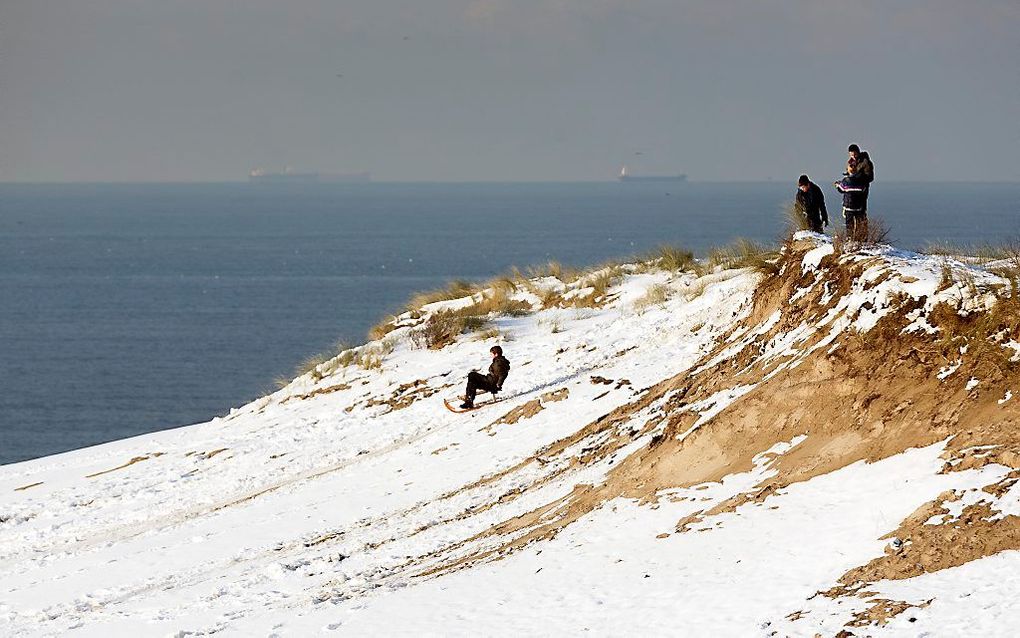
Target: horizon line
(460, 181)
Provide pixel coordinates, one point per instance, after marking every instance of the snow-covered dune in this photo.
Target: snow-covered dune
(826, 444)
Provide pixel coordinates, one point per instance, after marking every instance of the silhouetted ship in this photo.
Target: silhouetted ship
(627, 177)
(289, 176)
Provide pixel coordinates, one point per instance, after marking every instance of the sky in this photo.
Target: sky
(451, 90)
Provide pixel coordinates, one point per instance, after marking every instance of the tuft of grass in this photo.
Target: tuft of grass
(310, 365)
(489, 333)
(670, 259)
(370, 360)
(656, 295)
(744, 253)
(346, 358)
(1002, 259)
(549, 297)
(508, 284)
(602, 280)
(877, 232)
(473, 323)
(383, 328)
(795, 220)
(696, 289)
(947, 249)
(437, 332)
(339, 356)
(599, 281)
(838, 242)
(554, 269)
(457, 289)
(1009, 267)
(442, 328)
(946, 278)
(498, 300)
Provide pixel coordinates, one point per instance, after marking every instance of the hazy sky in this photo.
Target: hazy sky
(507, 89)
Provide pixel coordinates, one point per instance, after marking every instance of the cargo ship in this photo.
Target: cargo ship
(290, 176)
(627, 177)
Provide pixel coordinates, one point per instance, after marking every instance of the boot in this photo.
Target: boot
(467, 405)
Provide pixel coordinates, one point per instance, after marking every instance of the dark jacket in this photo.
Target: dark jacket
(498, 371)
(812, 203)
(855, 192)
(865, 168)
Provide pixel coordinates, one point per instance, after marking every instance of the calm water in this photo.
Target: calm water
(131, 308)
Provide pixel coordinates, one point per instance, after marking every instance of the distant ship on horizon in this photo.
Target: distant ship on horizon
(627, 177)
(290, 176)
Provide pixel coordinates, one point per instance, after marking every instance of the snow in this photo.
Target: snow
(320, 508)
(948, 370)
(609, 574)
(1015, 346)
(813, 258)
(969, 602)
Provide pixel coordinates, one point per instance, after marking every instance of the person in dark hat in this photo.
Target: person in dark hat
(810, 203)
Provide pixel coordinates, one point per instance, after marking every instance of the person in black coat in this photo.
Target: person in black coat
(492, 382)
(865, 169)
(811, 204)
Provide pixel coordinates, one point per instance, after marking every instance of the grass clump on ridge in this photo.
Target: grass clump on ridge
(312, 364)
(456, 289)
(496, 297)
(795, 220)
(877, 232)
(667, 258)
(341, 355)
(656, 295)
(1008, 267)
(1008, 252)
(744, 253)
(555, 269)
(442, 328)
(599, 281)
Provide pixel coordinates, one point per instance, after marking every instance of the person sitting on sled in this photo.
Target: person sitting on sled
(492, 382)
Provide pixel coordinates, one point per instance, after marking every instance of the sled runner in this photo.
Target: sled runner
(452, 407)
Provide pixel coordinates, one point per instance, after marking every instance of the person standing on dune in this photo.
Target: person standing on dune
(865, 169)
(810, 204)
(855, 200)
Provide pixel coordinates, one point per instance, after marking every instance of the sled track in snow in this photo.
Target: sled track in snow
(126, 532)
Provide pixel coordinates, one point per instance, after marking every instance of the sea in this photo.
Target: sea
(130, 308)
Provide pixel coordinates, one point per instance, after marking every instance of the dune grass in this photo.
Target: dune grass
(795, 220)
(744, 253)
(656, 295)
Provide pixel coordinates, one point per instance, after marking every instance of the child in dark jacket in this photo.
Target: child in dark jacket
(855, 197)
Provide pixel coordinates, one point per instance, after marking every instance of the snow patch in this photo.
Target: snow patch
(813, 258)
(945, 371)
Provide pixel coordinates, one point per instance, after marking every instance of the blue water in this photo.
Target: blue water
(126, 309)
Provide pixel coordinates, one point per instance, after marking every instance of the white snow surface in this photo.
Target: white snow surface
(298, 514)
